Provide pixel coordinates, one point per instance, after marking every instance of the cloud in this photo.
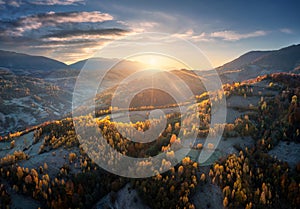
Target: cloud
(76, 36)
(143, 20)
(34, 22)
(57, 2)
(228, 35)
(67, 36)
(13, 3)
(68, 51)
(79, 32)
(286, 30)
(18, 3)
(140, 26)
(190, 34)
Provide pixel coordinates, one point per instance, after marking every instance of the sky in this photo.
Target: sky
(72, 30)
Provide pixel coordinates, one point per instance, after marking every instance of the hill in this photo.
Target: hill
(244, 59)
(18, 62)
(27, 101)
(95, 63)
(48, 166)
(160, 82)
(257, 63)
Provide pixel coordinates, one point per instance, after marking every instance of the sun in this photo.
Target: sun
(152, 61)
(158, 62)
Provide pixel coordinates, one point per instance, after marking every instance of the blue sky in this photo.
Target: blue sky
(71, 30)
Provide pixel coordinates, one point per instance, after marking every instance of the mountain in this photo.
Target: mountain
(102, 73)
(35, 89)
(245, 59)
(286, 59)
(17, 62)
(95, 63)
(257, 63)
(112, 67)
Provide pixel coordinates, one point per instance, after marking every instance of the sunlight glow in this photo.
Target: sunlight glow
(160, 62)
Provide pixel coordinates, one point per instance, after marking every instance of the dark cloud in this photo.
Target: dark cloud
(33, 22)
(39, 28)
(64, 34)
(79, 32)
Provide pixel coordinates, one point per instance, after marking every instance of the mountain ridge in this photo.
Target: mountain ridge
(80, 64)
(257, 63)
(244, 59)
(24, 61)
(249, 65)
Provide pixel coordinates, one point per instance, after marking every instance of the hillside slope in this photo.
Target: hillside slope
(257, 63)
(18, 61)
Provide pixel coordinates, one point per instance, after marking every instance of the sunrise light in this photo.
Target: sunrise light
(159, 62)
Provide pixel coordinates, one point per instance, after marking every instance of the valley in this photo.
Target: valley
(45, 163)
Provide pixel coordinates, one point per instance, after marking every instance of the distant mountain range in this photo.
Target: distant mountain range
(13, 60)
(256, 63)
(94, 61)
(23, 63)
(249, 65)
